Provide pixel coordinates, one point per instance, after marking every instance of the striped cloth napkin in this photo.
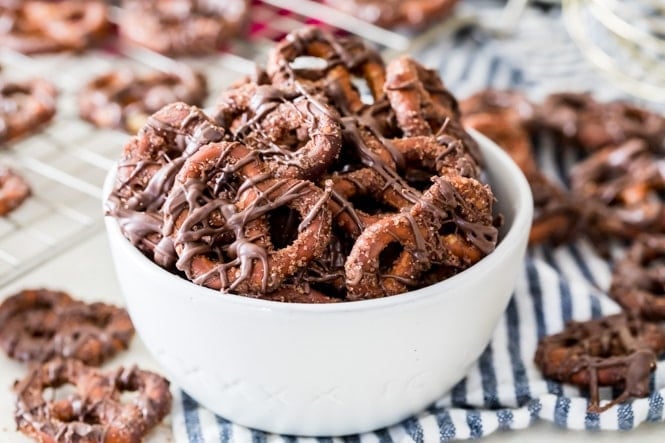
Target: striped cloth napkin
(504, 389)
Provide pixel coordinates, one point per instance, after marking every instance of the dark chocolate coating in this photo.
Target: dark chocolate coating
(38, 26)
(301, 144)
(558, 216)
(94, 413)
(147, 171)
(25, 107)
(37, 325)
(216, 217)
(397, 13)
(638, 279)
(618, 350)
(297, 135)
(591, 125)
(622, 187)
(124, 100)
(182, 27)
(14, 189)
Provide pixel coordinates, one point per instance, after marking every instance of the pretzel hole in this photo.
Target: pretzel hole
(370, 205)
(330, 289)
(634, 115)
(308, 62)
(75, 16)
(653, 259)
(570, 342)
(223, 183)
(219, 254)
(654, 285)
(130, 397)
(102, 320)
(136, 187)
(296, 138)
(660, 194)
(485, 237)
(447, 229)
(13, 102)
(419, 179)
(389, 255)
(575, 103)
(363, 90)
(291, 134)
(284, 223)
(56, 393)
(40, 332)
(349, 160)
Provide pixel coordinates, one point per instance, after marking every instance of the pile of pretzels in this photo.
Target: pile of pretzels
(326, 177)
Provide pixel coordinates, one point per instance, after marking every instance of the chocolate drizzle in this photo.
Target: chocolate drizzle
(14, 189)
(25, 106)
(147, 171)
(591, 125)
(614, 350)
(293, 132)
(638, 281)
(34, 27)
(183, 27)
(414, 14)
(94, 412)
(217, 217)
(448, 203)
(37, 325)
(123, 99)
(621, 185)
(616, 193)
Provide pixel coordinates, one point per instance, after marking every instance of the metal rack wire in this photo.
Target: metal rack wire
(67, 162)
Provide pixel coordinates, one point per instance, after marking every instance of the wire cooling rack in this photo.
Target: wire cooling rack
(67, 162)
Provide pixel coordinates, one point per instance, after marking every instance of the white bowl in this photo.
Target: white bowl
(329, 369)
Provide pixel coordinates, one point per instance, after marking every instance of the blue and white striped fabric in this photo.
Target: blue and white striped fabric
(504, 390)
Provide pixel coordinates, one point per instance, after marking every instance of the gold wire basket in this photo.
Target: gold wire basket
(625, 39)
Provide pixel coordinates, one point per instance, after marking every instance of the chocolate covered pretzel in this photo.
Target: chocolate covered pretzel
(37, 325)
(95, 411)
(618, 350)
(182, 27)
(25, 106)
(38, 26)
(14, 189)
(124, 99)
